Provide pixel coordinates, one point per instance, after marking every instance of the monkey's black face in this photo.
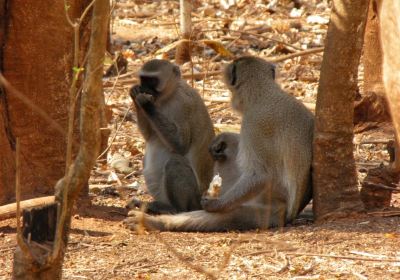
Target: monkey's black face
(149, 85)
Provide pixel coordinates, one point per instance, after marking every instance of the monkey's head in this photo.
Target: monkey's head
(224, 146)
(245, 74)
(159, 78)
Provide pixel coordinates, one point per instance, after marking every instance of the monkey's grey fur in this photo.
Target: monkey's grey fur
(224, 149)
(274, 159)
(178, 130)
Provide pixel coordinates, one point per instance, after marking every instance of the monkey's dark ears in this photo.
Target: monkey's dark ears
(232, 76)
(273, 69)
(176, 71)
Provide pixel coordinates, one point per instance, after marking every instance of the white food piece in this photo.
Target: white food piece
(215, 186)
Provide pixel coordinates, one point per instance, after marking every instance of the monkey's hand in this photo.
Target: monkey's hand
(212, 204)
(135, 91)
(146, 102)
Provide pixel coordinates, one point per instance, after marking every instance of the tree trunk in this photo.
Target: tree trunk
(334, 172)
(184, 48)
(36, 60)
(7, 142)
(390, 34)
(372, 57)
(372, 106)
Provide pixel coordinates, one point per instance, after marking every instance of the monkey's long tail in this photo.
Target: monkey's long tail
(243, 218)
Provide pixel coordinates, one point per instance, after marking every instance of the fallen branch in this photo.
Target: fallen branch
(300, 254)
(296, 54)
(9, 210)
(382, 186)
(384, 213)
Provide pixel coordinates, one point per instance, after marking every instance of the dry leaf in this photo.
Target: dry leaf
(218, 47)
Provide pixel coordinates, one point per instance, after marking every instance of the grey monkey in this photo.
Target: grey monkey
(178, 130)
(274, 159)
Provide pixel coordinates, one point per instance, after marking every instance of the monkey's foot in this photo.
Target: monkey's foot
(140, 221)
(135, 220)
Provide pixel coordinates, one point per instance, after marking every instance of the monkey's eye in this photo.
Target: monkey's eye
(233, 75)
(149, 82)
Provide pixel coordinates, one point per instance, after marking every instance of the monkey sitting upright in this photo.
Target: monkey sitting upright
(274, 159)
(178, 130)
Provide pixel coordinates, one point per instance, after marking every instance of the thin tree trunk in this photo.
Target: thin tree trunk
(334, 172)
(372, 106)
(183, 49)
(26, 267)
(372, 57)
(390, 37)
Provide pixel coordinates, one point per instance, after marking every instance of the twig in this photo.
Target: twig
(381, 186)
(76, 71)
(359, 275)
(115, 135)
(128, 74)
(193, 21)
(365, 254)
(268, 251)
(246, 32)
(296, 54)
(183, 259)
(384, 213)
(374, 141)
(115, 81)
(300, 254)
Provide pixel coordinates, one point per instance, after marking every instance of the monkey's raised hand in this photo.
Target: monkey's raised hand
(142, 99)
(145, 101)
(135, 91)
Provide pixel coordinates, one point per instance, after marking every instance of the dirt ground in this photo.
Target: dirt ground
(365, 247)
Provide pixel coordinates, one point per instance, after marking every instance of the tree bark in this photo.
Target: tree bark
(26, 267)
(334, 172)
(36, 59)
(183, 49)
(7, 141)
(372, 57)
(372, 106)
(390, 34)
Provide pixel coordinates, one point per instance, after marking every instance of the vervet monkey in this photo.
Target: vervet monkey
(274, 159)
(177, 128)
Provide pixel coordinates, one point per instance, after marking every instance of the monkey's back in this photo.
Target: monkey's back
(201, 133)
(280, 135)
